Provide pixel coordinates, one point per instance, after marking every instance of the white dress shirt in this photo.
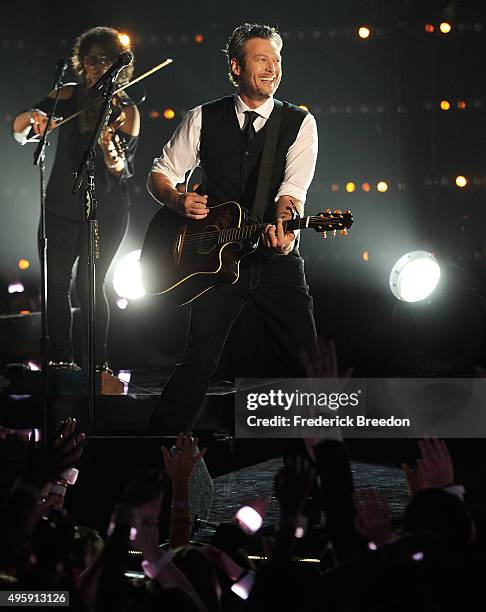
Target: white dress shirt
(182, 153)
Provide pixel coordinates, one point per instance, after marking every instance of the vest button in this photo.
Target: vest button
(247, 153)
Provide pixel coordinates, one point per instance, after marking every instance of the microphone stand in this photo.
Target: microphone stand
(86, 174)
(40, 160)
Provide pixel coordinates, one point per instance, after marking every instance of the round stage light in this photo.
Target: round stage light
(350, 187)
(23, 264)
(414, 276)
(382, 186)
(461, 181)
(445, 105)
(127, 279)
(169, 113)
(364, 32)
(445, 27)
(16, 287)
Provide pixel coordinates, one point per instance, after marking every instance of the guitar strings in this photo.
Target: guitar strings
(208, 235)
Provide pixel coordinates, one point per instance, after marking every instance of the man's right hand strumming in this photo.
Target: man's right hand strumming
(191, 204)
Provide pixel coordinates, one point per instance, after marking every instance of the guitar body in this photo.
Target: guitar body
(182, 258)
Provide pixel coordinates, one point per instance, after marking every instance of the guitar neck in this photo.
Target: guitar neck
(249, 231)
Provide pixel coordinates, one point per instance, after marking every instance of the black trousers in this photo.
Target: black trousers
(278, 289)
(67, 241)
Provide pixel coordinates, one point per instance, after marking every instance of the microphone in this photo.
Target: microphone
(124, 59)
(61, 68)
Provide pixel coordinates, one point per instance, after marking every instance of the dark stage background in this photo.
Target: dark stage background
(377, 104)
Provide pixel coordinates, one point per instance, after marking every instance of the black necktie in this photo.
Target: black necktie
(248, 128)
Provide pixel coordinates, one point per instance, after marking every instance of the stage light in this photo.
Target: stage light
(366, 187)
(445, 105)
(350, 187)
(304, 107)
(198, 38)
(154, 114)
(364, 32)
(15, 288)
(382, 186)
(461, 181)
(23, 264)
(24, 312)
(122, 303)
(127, 279)
(445, 27)
(365, 256)
(461, 104)
(334, 187)
(124, 39)
(169, 113)
(33, 366)
(414, 276)
(429, 28)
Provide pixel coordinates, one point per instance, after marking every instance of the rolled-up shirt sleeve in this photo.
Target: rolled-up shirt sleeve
(301, 161)
(181, 153)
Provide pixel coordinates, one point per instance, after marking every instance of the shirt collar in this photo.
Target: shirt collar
(264, 110)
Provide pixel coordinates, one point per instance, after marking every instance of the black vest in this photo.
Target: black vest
(229, 169)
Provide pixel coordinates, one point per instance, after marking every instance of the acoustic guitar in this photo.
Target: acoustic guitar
(182, 258)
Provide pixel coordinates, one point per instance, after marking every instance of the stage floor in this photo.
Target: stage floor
(235, 489)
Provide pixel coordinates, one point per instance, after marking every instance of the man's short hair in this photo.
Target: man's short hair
(235, 49)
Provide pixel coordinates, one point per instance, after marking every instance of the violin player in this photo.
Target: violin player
(66, 227)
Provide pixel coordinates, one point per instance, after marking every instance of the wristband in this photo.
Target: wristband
(68, 478)
(58, 489)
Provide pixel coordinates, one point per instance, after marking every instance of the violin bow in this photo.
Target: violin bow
(76, 114)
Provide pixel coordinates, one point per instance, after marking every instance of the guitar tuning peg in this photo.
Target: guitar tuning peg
(324, 235)
(344, 232)
(328, 210)
(337, 212)
(334, 232)
(347, 212)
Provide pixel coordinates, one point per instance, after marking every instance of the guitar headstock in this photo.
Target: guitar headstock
(329, 221)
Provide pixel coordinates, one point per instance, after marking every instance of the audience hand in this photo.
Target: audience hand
(373, 517)
(293, 484)
(435, 463)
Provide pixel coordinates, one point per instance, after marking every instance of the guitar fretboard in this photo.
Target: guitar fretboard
(250, 231)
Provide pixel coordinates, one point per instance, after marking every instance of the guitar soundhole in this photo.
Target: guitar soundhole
(208, 240)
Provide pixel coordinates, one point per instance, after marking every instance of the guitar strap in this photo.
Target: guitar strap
(268, 156)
